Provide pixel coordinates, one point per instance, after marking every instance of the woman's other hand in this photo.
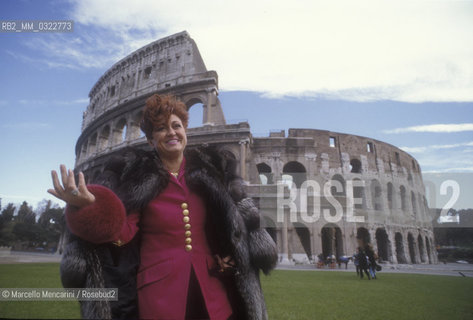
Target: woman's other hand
(77, 196)
(225, 263)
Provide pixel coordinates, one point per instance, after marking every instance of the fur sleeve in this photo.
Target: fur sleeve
(222, 166)
(263, 250)
(99, 222)
(73, 268)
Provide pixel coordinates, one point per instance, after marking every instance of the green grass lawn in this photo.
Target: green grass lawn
(341, 295)
(290, 295)
(35, 275)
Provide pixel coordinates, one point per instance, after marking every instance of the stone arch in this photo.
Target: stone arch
(83, 151)
(432, 249)
(304, 236)
(332, 241)
(382, 242)
(420, 204)
(92, 145)
(355, 165)
(412, 250)
(119, 131)
(212, 113)
(265, 174)
(340, 195)
(333, 189)
(413, 202)
(400, 254)
(390, 195)
(124, 133)
(228, 153)
(103, 138)
(420, 243)
(359, 192)
(134, 126)
(428, 249)
(195, 107)
(363, 234)
(376, 195)
(402, 193)
(297, 171)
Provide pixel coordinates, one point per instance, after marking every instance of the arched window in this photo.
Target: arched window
(119, 132)
(390, 195)
(332, 241)
(134, 126)
(297, 171)
(83, 152)
(337, 191)
(412, 252)
(376, 198)
(304, 236)
(103, 138)
(414, 204)
(400, 255)
(196, 108)
(264, 172)
(92, 144)
(382, 241)
(355, 165)
(420, 243)
(359, 193)
(363, 235)
(402, 191)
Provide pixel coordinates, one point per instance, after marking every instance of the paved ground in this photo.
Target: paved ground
(28, 257)
(450, 269)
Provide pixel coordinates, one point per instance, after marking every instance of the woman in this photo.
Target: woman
(172, 229)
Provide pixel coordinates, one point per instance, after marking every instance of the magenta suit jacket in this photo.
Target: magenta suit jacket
(173, 241)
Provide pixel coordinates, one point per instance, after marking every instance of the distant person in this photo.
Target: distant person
(371, 259)
(356, 261)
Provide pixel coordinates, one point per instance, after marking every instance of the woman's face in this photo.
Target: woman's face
(170, 138)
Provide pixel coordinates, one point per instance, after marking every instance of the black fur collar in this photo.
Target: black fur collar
(138, 176)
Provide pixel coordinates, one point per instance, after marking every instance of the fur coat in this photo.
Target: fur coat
(232, 227)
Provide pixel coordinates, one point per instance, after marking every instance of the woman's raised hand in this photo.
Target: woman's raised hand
(77, 196)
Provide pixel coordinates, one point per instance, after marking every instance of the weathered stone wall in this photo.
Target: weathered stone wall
(393, 205)
(393, 193)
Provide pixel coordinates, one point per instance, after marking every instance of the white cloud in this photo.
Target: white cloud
(437, 147)
(462, 169)
(439, 128)
(42, 102)
(365, 50)
(443, 157)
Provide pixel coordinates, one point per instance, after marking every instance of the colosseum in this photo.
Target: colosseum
(301, 180)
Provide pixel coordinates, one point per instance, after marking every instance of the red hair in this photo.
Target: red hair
(157, 111)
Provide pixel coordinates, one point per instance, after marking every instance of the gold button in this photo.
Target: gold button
(184, 205)
(188, 247)
(188, 233)
(185, 212)
(118, 243)
(188, 240)
(186, 219)
(187, 226)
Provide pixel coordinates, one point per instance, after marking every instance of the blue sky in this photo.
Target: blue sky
(393, 72)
